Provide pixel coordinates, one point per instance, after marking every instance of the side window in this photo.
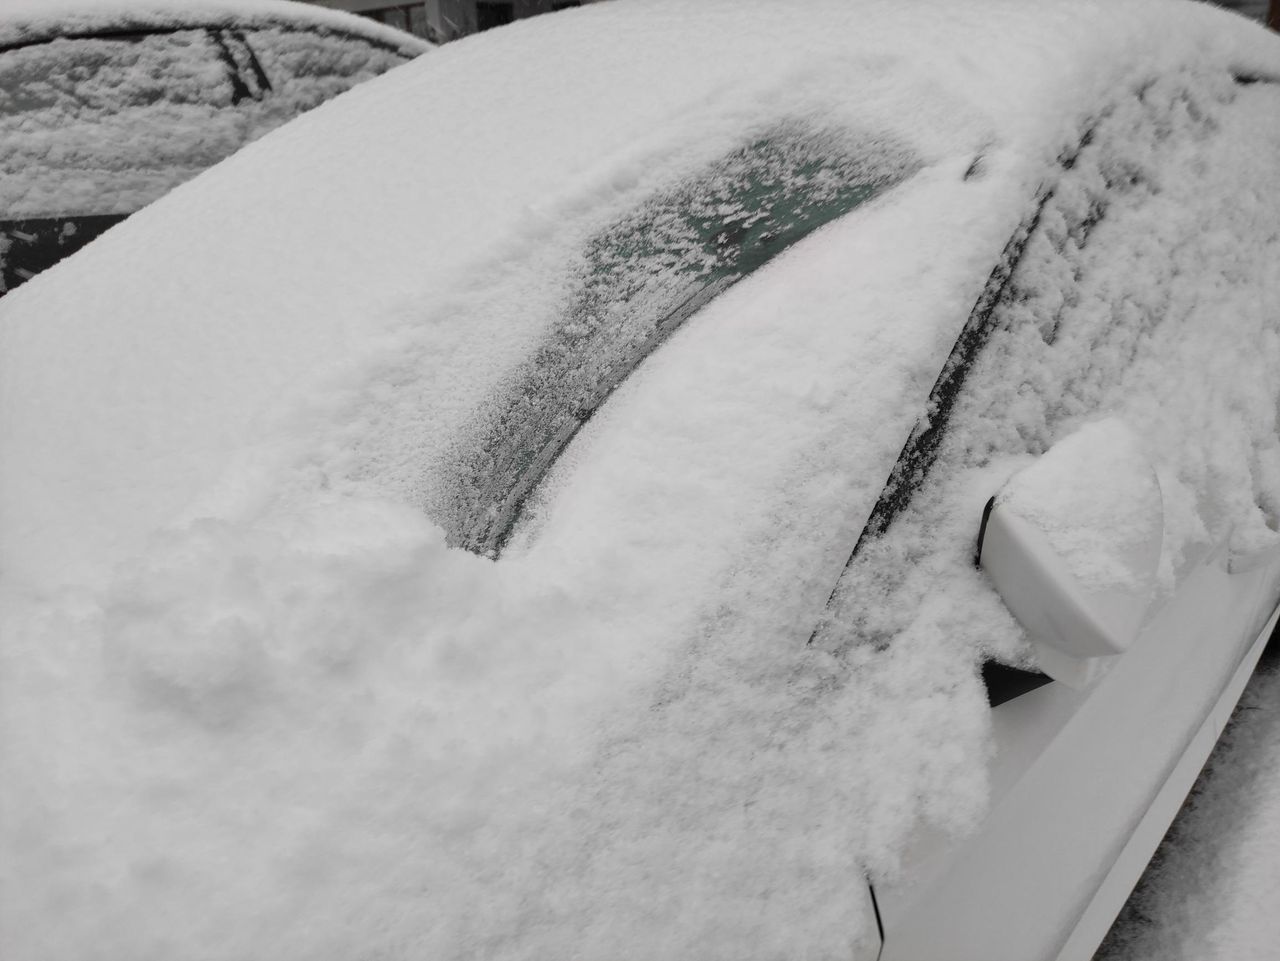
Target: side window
(1110, 261)
(639, 281)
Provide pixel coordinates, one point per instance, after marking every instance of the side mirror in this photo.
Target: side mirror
(1072, 543)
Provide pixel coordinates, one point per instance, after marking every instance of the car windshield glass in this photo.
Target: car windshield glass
(105, 124)
(643, 278)
(69, 78)
(307, 67)
(102, 125)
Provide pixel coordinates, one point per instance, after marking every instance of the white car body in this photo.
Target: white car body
(1085, 784)
(561, 543)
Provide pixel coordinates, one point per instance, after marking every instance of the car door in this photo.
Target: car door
(1134, 288)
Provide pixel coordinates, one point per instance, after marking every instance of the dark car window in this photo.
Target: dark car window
(642, 279)
(102, 125)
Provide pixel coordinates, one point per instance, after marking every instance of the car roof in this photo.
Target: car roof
(26, 22)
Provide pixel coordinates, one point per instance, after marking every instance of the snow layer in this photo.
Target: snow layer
(1209, 894)
(33, 21)
(1133, 298)
(252, 702)
(1097, 500)
(102, 125)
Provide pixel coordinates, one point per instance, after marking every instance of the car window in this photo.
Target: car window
(70, 78)
(1113, 255)
(93, 128)
(102, 125)
(307, 67)
(642, 279)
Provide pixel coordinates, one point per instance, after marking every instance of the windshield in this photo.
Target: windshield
(642, 279)
(92, 128)
(105, 124)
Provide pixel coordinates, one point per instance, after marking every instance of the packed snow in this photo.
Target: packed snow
(1097, 501)
(253, 702)
(93, 124)
(35, 21)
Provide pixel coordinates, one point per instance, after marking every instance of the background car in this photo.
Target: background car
(104, 107)
(562, 543)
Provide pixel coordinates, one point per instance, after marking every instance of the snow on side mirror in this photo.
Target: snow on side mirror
(1072, 543)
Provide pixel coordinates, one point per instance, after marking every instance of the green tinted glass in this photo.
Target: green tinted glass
(643, 278)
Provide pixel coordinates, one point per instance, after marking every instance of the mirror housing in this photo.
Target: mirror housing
(1072, 543)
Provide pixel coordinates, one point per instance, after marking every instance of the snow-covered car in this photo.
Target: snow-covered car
(562, 542)
(106, 106)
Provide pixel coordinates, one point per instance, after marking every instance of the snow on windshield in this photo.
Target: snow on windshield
(104, 125)
(254, 704)
(33, 21)
(641, 279)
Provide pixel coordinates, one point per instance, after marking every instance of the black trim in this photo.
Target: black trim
(921, 449)
(875, 907)
(243, 88)
(1249, 79)
(982, 531)
(239, 89)
(129, 33)
(1004, 683)
(260, 75)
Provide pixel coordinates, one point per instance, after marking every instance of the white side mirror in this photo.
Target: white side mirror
(1072, 544)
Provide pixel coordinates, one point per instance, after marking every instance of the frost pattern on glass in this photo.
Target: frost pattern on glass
(643, 278)
(1051, 341)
